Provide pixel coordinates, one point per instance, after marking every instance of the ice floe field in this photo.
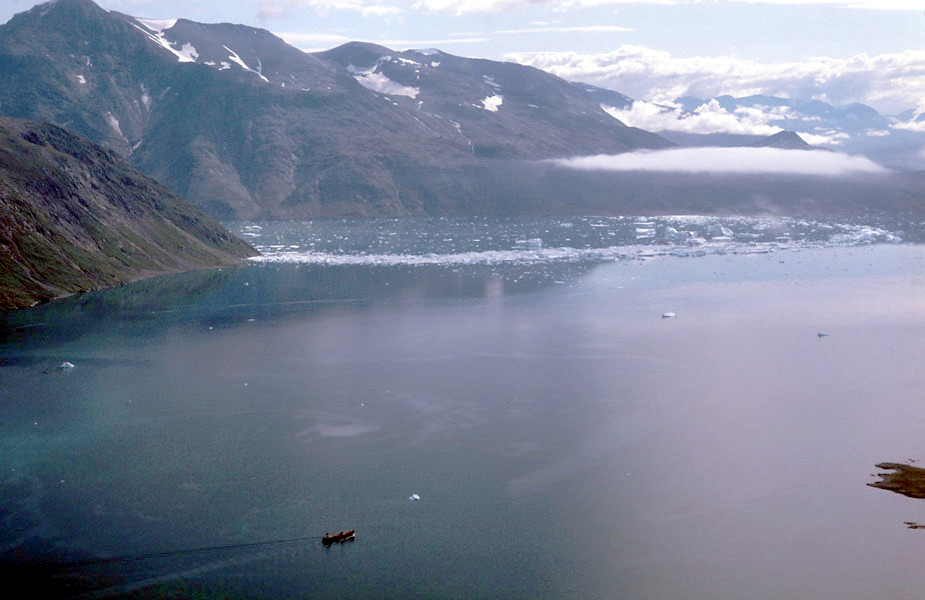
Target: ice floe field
(499, 409)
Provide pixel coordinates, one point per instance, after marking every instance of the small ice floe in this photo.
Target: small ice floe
(718, 231)
(414, 497)
(669, 315)
(644, 229)
(66, 365)
(822, 334)
(531, 244)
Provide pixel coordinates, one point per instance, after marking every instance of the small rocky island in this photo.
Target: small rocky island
(905, 479)
(75, 217)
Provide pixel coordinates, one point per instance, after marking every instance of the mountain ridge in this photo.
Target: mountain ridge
(245, 126)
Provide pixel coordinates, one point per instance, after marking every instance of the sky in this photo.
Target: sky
(868, 51)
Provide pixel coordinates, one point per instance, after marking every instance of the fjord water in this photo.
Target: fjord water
(564, 438)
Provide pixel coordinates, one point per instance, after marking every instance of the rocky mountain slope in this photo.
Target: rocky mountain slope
(785, 140)
(75, 217)
(245, 126)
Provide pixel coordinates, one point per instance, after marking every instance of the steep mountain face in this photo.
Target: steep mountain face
(501, 109)
(245, 126)
(75, 217)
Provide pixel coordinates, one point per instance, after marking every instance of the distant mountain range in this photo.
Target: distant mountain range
(74, 217)
(892, 140)
(247, 127)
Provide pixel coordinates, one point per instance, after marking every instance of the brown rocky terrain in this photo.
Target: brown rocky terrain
(75, 217)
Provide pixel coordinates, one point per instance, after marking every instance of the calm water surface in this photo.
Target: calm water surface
(565, 439)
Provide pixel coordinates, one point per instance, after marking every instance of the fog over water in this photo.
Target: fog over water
(565, 439)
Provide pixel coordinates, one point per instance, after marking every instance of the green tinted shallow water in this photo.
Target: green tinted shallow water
(565, 440)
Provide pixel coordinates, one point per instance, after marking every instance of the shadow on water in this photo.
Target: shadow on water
(904, 479)
(228, 297)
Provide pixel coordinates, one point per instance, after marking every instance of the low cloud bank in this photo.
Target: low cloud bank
(728, 160)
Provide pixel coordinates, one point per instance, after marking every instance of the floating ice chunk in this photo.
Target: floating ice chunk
(822, 334)
(66, 365)
(414, 497)
(669, 315)
(531, 244)
(717, 230)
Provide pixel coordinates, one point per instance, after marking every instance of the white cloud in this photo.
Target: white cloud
(404, 44)
(474, 6)
(728, 160)
(575, 29)
(709, 118)
(713, 118)
(274, 8)
(827, 138)
(917, 126)
(889, 82)
(314, 40)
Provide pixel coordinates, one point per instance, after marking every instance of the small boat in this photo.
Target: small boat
(339, 538)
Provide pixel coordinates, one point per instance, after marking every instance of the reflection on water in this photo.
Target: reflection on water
(904, 479)
(565, 440)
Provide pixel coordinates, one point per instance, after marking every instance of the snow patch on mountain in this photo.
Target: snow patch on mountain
(82, 80)
(237, 60)
(492, 103)
(145, 96)
(186, 54)
(158, 25)
(377, 82)
(114, 123)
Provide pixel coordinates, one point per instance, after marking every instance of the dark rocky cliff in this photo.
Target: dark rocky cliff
(75, 217)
